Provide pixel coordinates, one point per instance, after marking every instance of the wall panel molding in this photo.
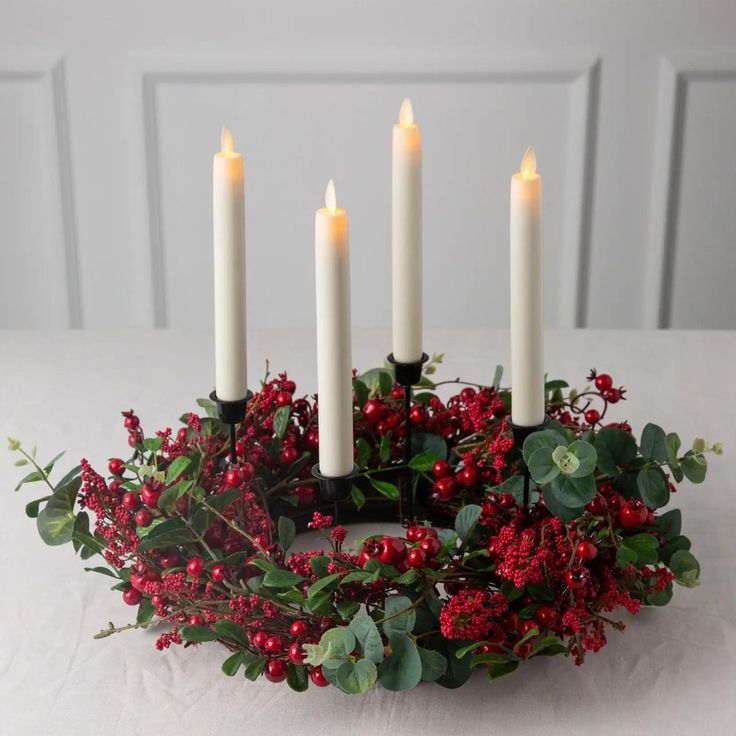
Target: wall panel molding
(676, 73)
(580, 74)
(47, 69)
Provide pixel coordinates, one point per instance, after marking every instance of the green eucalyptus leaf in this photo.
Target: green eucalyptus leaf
(426, 442)
(434, 664)
(55, 522)
(550, 438)
(672, 446)
(615, 449)
(587, 458)
(670, 524)
(402, 669)
(694, 467)
(556, 508)
(466, 520)
(685, 568)
(542, 465)
(357, 677)
(401, 621)
(668, 549)
(644, 546)
(572, 492)
(653, 487)
(653, 445)
(565, 460)
(368, 637)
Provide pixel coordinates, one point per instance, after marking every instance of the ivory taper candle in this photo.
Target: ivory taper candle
(228, 209)
(407, 237)
(334, 354)
(527, 318)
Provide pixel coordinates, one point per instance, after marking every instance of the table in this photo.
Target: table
(672, 672)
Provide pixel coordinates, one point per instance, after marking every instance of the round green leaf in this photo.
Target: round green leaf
(565, 460)
(402, 669)
(368, 636)
(615, 449)
(550, 438)
(434, 665)
(587, 457)
(357, 677)
(685, 568)
(542, 466)
(466, 520)
(572, 492)
(566, 513)
(398, 623)
(654, 487)
(339, 641)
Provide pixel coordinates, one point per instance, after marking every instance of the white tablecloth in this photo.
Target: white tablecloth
(672, 672)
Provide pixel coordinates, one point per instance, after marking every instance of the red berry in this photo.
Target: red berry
(181, 435)
(150, 496)
(527, 626)
(288, 455)
(441, 468)
(416, 533)
(417, 414)
(416, 558)
(196, 620)
(493, 546)
(131, 501)
(603, 382)
(650, 518)
(283, 398)
(195, 567)
(524, 650)
(397, 393)
(467, 394)
(144, 517)
(430, 546)
(275, 670)
(259, 639)
(575, 578)
(612, 395)
(232, 477)
(218, 572)
(318, 678)
(299, 628)
(592, 416)
(138, 580)
(586, 550)
(304, 494)
(296, 653)
(597, 506)
(506, 501)
(158, 601)
(547, 616)
(468, 476)
(288, 386)
(391, 550)
(374, 411)
(311, 438)
(132, 597)
(446, 488)
(115, 466)
(632, 514)
(131, 422)
(274, 645)
(169, 560)
(247, 471)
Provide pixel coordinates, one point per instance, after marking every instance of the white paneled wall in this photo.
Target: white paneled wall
(111, 113)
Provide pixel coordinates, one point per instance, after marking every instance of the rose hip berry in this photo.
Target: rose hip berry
(592, 416)
(115, 466)
(430, 546)
(318, 678)
(441, 468)
(143, 518)
(132, 597)
(632, 514)
(131, 501)
(195, 567)
(275, 670)
(416, 558)
(603, 382)
(586, 550)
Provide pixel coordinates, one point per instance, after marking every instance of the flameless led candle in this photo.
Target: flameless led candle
(527, 319)
(407, 237)
(228, 210)
(334, 357)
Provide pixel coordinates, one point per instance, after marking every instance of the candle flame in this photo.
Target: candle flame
(406, 113)
(529, 164)
(330, 197)
(226, 141)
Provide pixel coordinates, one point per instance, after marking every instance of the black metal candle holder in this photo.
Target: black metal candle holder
(520, 434)
(407, 375)
(232, 413)
(335, 489)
